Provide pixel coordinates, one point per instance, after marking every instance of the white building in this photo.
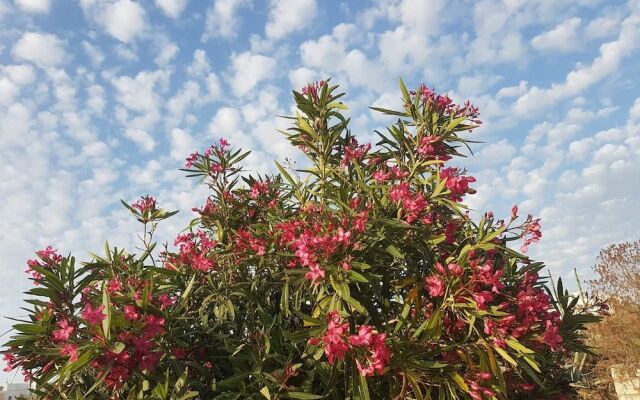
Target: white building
(11, 391)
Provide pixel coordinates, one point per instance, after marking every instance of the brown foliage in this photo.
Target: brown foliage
(616, 338)
(618, 271)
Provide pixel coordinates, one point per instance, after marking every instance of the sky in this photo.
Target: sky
(101, 100)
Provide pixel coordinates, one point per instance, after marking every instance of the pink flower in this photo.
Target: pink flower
(116, 377)
(131, 313)
(114, 285)
(93, 316)
(166, 301)
(258, 188)
(10, 360)
(64, 332)
(335, 338)
(380, 176)
(552, 336)
(457, 184)
(315, 273)
(483, 299)
(363, 338)
(354, 152)
(145, 204)
(193, 157)
(434, 285)
(153, 325)
(71, 351)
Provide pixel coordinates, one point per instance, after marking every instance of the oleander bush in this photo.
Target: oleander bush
(359, 276)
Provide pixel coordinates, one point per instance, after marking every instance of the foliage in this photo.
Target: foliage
(616, 338)
(359, 277)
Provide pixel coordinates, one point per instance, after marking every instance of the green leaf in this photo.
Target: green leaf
(506, 356)
(301, 395)
(106, 302)
(394, 251)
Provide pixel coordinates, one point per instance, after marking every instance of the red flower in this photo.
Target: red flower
(64, 332)
(434, 285)
(71, 351)
(93, 316)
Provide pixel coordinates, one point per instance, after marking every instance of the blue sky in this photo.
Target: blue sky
(102, 100)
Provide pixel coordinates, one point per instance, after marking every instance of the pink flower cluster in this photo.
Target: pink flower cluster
(432, 148)
(312, 90)
(445, 105)
(368, 346)
(531, 233)
(139, 352)
(48, 258)
(313, 245)
(145, 204)
(194, 248)
(354, 152)
(457, 184)
(259, 188)
(413, 204)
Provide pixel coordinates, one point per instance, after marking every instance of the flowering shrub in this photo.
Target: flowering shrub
(359, 277)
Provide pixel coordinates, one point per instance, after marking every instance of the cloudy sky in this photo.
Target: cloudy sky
(101, 100)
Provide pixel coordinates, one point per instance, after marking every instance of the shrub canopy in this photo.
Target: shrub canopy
(362, 276)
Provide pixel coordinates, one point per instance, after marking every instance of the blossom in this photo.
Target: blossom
(193, 157)
(10, 360)
(69, 350)
(153, 325)
(114, 285)
(258, 188)
(93, 316)
(315, 273)
(354, 152)
(530, 233)
(65, 330)
(552, 336)
(376, 352)
(131, 313)
(145, 204)
(335, 340)
(166, 301)
(457, 184)
(116, 377)
(434, 285)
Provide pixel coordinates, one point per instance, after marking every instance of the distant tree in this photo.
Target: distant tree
(618, 273)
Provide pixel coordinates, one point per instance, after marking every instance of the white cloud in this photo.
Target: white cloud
(200, 65)
(171, 8)
(603, 26)
(226, 122)
(564, 37)
(222, 19)
(21, 74)
(168, 52)
(248, 70)
(287, 16)
(42, 49)
(634, 111)
(122, 19)
(299, 77)
(94, 54)
(611, 55)
(139, 93)
(141, 138)
(96, 99)
(182, 144)
(34, 6)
